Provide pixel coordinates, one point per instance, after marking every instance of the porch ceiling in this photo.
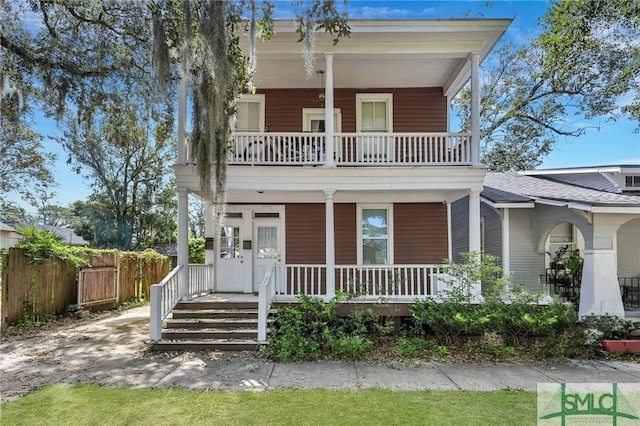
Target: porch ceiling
(381, 54)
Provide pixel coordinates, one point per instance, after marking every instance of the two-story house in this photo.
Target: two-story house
(345, 180)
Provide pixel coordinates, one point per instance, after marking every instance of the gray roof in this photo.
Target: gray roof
(66, 235)
(6, 228)
(514, 187)
(594, 177)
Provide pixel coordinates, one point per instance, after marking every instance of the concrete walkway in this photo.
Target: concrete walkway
(112, 352)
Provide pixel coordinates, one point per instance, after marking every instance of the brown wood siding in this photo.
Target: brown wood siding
(305, 233)
(420, 233)
(421, 109)
(346, 234)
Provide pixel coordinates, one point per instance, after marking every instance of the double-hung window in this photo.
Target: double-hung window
(374, 234)
(250, 113)
(374, 114)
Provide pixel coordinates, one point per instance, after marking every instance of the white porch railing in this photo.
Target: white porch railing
(369, 281)
(351, 149)
(164, 297)
(200, 279)
(412, 149)
(305, 279)
(277, 148)
(385, 281)
(266, 294)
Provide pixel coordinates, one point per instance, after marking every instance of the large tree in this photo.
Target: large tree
(202, 38)
(585, 63)
(87, 55)
(24, 163)
(125, 155)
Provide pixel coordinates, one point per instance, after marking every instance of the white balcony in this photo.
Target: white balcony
(350, 149)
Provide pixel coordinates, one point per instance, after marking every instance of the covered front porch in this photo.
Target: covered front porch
(282, 283)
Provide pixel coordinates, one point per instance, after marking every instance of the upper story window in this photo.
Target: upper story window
(250, 113)
(374, 112)
(632, 182)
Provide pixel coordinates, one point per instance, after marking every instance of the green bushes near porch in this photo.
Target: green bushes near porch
(314, 329)
(508, 324)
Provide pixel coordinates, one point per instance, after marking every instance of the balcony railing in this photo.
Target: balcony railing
(351, 149)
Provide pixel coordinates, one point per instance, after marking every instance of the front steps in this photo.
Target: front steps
(210, 325)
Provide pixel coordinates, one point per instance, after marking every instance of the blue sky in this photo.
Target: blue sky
(613, 143)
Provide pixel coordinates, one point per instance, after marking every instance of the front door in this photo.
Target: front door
(232, 267)
(268, 248)
(251, 240)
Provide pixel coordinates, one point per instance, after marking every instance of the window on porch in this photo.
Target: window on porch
(250, 113)
(374, 235)
(374, 114)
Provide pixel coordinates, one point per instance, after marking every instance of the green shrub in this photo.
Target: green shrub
(522, 319)
(450, 319)
(413, 347)
(611, 326)
(314, 328)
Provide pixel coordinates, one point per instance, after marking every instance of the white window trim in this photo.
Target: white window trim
(260, 98)
(390, 230)
(370, 97)
(308, 113)
(630, 188)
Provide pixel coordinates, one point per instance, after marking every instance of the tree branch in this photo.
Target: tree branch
(46, 62)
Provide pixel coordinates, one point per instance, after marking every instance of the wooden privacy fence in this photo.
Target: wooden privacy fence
(46, 289)
(52, 286)
(139, 271)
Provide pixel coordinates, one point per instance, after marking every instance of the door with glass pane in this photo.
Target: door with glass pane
(231, 270)
(267, 249)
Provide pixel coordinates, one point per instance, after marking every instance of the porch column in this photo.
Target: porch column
(328, 110)
(474, 220)
(474, 237)
(505, 240)
(330, 244)
(183, 243)
(475, 110)
(210, 234)
(182, 119)
(599, 290)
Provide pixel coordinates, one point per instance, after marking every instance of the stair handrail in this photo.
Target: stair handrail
(266, 294)
(164, 297)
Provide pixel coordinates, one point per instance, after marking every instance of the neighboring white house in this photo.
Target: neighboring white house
(528, 215)
(9, 237)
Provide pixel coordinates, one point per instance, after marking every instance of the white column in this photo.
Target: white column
(474, 238)
(505, 240)
(210, 231)
(328, 110)
(330, 244)
(183, 243)
(474, 221)
(182, 119)
(599, 289)
(475, 110)
(449, 233)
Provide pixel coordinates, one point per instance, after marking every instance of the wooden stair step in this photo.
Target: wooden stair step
(212, 323)
(215, 313)
(208, 333)
(196, 304)
(205, 345)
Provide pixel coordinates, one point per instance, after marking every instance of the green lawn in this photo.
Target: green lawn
(94, 405)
